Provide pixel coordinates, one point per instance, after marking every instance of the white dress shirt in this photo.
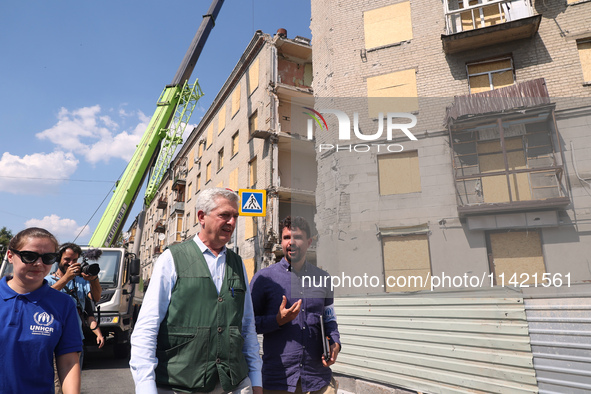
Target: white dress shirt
(155, 305)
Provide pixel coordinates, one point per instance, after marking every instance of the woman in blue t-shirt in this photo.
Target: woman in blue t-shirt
(36, 321)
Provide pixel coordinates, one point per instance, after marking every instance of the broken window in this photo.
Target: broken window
(465, 15)
(387, 25)
(399, 173)
(584, 48)
(221, 159)
(253, 123)
(517, 164)
(516, 256)
(235, 141)
(407, 263)
(490, 74)
(252, 173)
(236, 100)
(222, 120)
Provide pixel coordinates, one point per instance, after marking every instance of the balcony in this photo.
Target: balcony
(179, 182)
(506, 151)
(472, 24)
(160, 226)
(162, 203)
(178, 207)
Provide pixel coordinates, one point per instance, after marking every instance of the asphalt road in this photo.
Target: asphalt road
(103, 373)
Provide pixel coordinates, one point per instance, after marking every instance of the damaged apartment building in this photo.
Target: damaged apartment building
(243, 141)
(460, 246)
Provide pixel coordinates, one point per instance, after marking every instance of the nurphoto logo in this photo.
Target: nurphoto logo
(344, 130)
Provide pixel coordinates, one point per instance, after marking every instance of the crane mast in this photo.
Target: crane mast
(163, 134)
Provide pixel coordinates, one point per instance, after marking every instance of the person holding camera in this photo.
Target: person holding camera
(72, 279)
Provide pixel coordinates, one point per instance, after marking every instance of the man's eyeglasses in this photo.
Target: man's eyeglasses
(30, 257)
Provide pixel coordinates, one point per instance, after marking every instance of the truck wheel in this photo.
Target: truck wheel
(122, 350)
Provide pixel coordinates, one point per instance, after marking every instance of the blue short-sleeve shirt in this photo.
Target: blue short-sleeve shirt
(34, 326)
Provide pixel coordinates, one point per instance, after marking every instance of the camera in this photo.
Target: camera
(90, 269)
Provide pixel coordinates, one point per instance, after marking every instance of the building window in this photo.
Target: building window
(250, 227)
(191, 159)
(253, 76)
(235, 141)
(221, 159)
(208, 172)
(236, 100)
(189, 191)
(222, 120)
(209, 139)
(252, 173)
(584, 48)
(516, 255)
(253, 123)
(198, 183)
(478, 14)
(490, 74)
(387, 25)
(407, 263)
(201, 145)
(519, 165)
(398, 173)
(233, 181)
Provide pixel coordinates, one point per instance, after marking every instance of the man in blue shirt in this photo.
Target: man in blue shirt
(70, 279)
(288, 300)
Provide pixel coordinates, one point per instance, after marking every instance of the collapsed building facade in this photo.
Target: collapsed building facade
(459, 247)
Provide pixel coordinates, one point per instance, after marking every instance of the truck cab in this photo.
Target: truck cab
(120, 298)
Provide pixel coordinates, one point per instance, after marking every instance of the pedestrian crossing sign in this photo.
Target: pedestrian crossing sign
(253, 202)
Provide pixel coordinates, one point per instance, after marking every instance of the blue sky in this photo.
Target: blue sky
(79, 83)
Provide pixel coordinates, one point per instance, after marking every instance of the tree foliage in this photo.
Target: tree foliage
(5, 237)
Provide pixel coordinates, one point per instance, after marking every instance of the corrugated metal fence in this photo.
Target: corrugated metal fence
(560, 331)
(438, 344)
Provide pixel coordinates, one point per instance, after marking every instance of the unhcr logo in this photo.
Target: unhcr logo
(43, 321)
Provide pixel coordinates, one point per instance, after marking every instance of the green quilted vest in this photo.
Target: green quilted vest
(200, 340)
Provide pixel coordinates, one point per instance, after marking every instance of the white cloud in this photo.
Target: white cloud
(38, 173)
(64, 229)
(87, 132)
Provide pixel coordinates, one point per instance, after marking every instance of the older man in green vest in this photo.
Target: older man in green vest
(195, 332)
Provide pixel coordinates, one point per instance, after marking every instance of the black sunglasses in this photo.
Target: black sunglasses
(30, 257)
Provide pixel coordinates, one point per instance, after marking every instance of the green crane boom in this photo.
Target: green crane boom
(174, 108)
